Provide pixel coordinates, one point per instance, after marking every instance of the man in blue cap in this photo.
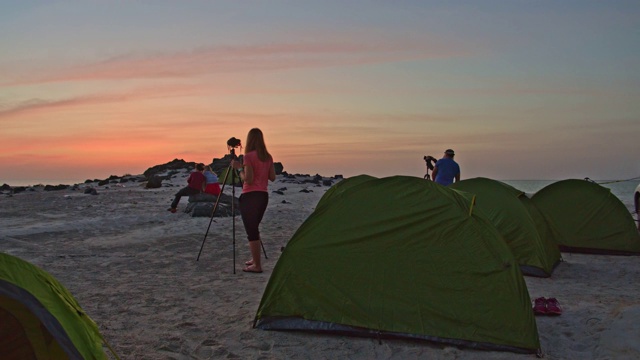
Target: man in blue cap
(446, 169)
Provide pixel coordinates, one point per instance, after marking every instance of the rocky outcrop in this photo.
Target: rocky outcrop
(175, 164)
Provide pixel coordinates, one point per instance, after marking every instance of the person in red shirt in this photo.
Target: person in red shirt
(196, 184)
(255, 171)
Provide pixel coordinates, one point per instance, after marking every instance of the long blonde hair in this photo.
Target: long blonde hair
(255, 142)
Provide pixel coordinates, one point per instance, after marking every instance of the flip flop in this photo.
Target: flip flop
(248, 262)
(553, 307)
(540, 307)
(251, 270)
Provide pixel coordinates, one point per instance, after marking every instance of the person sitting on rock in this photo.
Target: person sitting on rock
(196, 184)
(213, 187)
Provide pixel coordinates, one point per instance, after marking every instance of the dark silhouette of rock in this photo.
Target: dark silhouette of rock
(55, 187)
(175, 164)
(154, 182)
(204, 204)
(220, 165)
(278, 167)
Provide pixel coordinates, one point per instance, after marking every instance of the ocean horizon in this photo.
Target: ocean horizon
(623, 189)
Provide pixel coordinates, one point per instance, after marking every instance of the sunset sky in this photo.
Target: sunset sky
(540, 89)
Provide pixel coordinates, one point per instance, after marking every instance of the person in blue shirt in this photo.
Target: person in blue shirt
(212, 187)
(446, 169)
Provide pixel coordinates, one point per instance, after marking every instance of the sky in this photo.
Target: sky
(521, 90)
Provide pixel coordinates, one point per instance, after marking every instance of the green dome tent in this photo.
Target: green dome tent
(40, 319)
(400, 257)
(500, 202)
(586, 217)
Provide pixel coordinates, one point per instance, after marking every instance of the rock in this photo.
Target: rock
(154, 182)
(55, 187)
(175, 164)
(205, 203)
(278, 167)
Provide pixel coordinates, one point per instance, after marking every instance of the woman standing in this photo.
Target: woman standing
(255, 171)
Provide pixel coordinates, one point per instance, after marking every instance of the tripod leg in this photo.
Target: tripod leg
(263, 250)
(233, 213)
(213, 212)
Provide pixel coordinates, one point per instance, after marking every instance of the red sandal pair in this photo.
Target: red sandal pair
(550, 306)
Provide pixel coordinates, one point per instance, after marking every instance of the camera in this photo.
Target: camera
(232, 144)
(431, 161)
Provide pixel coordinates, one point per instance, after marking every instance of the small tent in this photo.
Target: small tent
(40, 319)
(586, 217)
(400, 257)
(500, 202)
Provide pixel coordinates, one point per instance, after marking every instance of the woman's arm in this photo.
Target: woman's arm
(272, 173)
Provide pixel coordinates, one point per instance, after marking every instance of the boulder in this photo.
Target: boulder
(154, 182)
(203, 205)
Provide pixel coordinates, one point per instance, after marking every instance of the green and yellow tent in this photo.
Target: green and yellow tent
(400, 257)
(586, 217)
(40, 319)
(500, 202)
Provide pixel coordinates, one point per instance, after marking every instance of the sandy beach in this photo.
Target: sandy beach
(132, 266)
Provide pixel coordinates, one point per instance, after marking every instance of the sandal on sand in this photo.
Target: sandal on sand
(553, 307)
(540, 306)
(248, 262)
(251, 269)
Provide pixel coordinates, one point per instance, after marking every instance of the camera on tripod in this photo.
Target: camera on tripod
(232, 144)
(431, 161)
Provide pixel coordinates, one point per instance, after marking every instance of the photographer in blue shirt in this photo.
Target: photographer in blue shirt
(446, 169)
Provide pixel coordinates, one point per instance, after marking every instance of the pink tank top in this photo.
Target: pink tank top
(260, 172)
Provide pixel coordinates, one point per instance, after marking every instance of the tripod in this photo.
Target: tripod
(230, 170)
(431, 161)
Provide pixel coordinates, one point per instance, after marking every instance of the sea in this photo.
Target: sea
(624, 189)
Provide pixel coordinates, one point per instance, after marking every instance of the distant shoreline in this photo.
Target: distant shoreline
(43, 182)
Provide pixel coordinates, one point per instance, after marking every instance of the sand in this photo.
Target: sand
(132, 266)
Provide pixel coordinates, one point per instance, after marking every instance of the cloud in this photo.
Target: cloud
(226, 59)
(42, 105)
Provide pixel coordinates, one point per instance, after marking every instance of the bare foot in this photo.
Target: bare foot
(252, 269)
(249, 262)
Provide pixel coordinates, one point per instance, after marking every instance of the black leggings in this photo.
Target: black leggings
(185, 191)
(252, 207)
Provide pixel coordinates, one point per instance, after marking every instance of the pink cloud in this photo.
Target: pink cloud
(43, 106)
(209, 60)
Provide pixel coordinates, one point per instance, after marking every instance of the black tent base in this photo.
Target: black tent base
(580, 250)
(299, 324)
